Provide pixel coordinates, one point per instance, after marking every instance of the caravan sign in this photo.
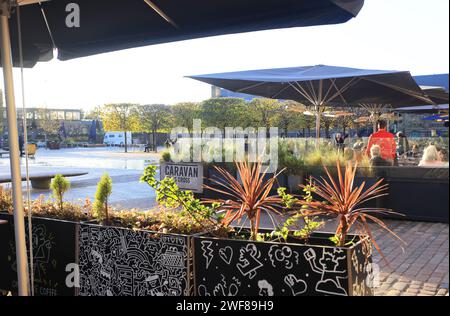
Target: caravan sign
(188, 176)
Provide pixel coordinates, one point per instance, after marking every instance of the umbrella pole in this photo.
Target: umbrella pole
(13, 136)
(317, 110)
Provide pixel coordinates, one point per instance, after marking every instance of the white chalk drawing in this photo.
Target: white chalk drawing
(223, 288)
(283, 256)
(226, 254)
(42, 248)
(203, 291)
(248, 261)
(297, 286)
(267, 269)
(121, 262)
(208, 252)
(327, 267)
(265, 288)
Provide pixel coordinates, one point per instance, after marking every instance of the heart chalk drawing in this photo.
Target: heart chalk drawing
(226, 254)
(297, 286)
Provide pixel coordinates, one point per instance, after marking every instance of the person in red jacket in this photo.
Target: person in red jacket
(385, 140)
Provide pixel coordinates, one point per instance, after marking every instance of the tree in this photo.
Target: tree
(225, 112)
(104, 190)
(94, 114)
(327, 122)
(60, 186)
(121, 117)
(289, 117)
(263, 111)
(185, 113)
(345, 122)
(154, 118)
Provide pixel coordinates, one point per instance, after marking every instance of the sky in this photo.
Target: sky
(387, 34)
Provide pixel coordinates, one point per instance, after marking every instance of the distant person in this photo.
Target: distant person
(430, 158)
(414, 153)
(376, 160)
(358, 150)
(443, 155)
(402, 144)
(386, 141)
(339, 141)
(21, 142)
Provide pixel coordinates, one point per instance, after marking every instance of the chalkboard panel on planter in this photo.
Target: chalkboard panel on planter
(54, 247)
(227, 267)
(118, 261)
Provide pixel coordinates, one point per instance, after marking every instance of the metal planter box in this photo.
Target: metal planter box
(118, 261)
(54, 247)
(226, 267)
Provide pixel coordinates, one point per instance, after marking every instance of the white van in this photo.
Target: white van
(117, 138)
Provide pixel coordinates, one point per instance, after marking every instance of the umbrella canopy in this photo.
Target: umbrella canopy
(109, 25)
(424, 109)
(437, 94)
(324, 85)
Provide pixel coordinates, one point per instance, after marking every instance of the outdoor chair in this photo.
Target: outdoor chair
(31, 149)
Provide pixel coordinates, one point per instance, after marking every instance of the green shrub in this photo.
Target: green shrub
(166, 156)
(290, 160)
(6, 202)
(60, 186)
(104, 190)
(71, 212)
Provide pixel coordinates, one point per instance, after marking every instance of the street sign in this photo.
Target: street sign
(188, 176)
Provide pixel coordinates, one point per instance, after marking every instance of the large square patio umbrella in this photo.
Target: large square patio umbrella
(86, 27)
(424, 109)
(323, 85)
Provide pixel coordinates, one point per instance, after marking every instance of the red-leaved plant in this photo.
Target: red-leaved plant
(344, 201)
(249, 197)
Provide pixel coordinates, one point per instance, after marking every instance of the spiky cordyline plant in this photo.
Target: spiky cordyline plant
(248, 197)
(344, 201)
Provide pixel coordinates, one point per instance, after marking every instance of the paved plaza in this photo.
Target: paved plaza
(124, 169)
(422, 268)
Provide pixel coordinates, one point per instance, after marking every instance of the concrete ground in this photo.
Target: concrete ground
(124, 169)
(421, 269)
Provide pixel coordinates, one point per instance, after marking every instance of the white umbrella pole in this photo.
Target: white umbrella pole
(13, 135)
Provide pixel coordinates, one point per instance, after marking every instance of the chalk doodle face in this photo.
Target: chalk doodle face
(283, 256)
(121, 262)
(331, 259)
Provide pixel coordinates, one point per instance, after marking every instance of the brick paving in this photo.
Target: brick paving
(421, 268)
